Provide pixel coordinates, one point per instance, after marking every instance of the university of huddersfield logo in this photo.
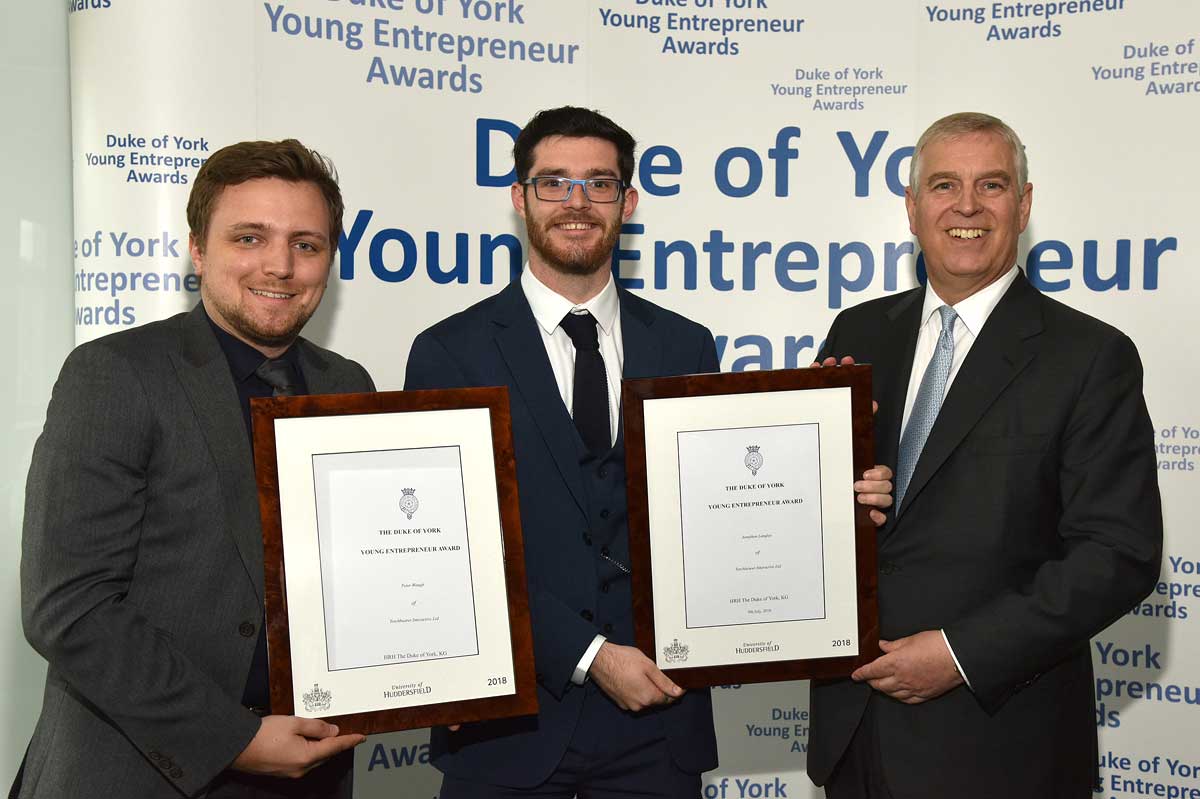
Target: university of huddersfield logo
(676, 652)
(754, 459)
(409, 503)
(317, 700)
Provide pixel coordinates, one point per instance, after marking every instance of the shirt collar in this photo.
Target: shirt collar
(974, 310)
(549, 307)
(244, 359)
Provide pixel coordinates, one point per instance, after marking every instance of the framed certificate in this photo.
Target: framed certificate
(394, 568)
(752, 561)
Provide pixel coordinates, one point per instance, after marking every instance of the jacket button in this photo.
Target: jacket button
(177, 772)
(608, 628)
(587, 614)
(604, 513)
(587, 538)
(154, 755)
(246, 629)
(887, 567)
(604, 588)
(603, 472)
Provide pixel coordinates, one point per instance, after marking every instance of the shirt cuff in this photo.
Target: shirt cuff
(581, 671)
(954, 657)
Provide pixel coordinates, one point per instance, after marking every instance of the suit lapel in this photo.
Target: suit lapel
(898, 343)
(520, 343)
(642, 353)
(316, 370)
(998, 355)
(204, 375)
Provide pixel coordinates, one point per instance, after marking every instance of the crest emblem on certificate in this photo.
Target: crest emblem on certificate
(754, 459)
(318, 700)
(408, 502)
(676, 652)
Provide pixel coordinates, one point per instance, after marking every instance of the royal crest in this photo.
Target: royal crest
(754, 459)
(676, 652)
(317, 700)
(409, 503)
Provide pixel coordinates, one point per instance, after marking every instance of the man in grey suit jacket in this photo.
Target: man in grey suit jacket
(141, 573)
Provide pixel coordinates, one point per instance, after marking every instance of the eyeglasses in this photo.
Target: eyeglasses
(552, 188)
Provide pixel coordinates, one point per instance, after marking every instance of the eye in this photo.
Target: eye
(603, 184)
(994, 185)
(552, 183)
(943, 185)
(307, 246)
(247, 238)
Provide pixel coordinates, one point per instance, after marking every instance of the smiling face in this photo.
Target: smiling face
(575, 237)
(265, 263)
(968, 212)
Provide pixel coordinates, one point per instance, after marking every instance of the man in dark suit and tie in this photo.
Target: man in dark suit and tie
(1027, 513)
(610, 723)
(142, 564)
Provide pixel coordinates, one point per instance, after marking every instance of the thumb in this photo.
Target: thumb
(664, 683)
(315, 728)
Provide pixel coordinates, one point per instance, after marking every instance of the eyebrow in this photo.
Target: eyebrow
(995, 173)
(259, 227)
(561, 172)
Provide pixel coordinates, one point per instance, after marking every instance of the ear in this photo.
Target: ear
(630, 203)
(197, 255)
(910, 205)
(518, 198)
(1026, 205)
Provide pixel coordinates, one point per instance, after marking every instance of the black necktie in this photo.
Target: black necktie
(279, 375)
(590, 409)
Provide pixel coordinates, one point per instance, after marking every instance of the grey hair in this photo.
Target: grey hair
(964, 123)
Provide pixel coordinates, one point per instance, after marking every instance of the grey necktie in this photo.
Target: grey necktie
(927, 404)
(279, 375)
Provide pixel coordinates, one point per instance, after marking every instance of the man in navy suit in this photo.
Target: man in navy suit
(1027, 508)
(610, 722)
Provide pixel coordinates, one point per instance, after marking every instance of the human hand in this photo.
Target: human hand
(913, 669)
(875, 489)
(631, 679)
(290, 746)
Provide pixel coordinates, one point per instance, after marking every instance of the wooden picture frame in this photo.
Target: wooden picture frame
(405, 427)
(737, 402)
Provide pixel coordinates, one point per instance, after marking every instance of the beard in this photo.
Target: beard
(573, 258)
(264, 332)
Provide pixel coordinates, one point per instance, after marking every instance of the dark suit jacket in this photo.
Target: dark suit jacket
(1032, 522)
(141, 570)
(497, 343)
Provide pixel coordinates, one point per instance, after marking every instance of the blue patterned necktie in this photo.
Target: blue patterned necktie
(927, 404)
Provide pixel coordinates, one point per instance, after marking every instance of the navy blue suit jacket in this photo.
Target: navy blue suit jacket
(497, 343)
(1032, 521)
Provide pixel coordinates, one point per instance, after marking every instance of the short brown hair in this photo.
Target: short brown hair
(288, 160)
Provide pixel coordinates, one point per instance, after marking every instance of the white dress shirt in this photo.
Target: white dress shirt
(973, 313)
(549, 309)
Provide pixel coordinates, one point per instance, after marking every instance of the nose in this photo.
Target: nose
(278, 260)
(967, 203)
(577, 198)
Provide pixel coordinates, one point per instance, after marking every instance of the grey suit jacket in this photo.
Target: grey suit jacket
(141, 570)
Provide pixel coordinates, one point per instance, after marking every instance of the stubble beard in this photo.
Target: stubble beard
(253, 331)
(573, 259)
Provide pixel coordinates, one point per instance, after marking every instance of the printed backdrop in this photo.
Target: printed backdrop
(774, 141)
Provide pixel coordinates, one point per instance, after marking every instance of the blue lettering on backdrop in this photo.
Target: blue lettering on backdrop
(839, 269)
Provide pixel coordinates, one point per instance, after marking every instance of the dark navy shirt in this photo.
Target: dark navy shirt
(243, 360)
